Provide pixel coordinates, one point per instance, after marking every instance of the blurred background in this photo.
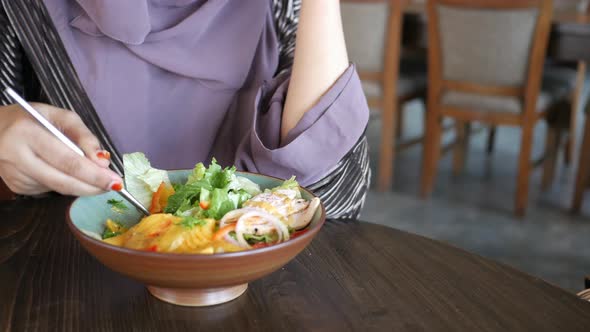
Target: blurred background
(477, 126)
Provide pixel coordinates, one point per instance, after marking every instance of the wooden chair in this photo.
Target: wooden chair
(572, 76)
(486, 64)
(569, 77)
(583, 173)
(577, 100)
(568, 69)
(373, 31)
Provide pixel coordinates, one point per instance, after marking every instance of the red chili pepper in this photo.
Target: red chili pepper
(298, 233)
(222, 231)
(160, 198)
(260, 245)
(165, 225)
(204, 205)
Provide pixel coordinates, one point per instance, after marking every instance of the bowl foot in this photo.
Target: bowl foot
(197, 297)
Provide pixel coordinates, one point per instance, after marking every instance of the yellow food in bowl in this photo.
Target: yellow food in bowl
(165, 233)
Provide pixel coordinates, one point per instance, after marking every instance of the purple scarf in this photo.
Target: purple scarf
(162, 73)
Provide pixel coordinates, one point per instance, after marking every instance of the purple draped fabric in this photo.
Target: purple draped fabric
(187, 80)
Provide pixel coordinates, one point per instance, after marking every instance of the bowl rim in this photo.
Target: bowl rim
(226, 255)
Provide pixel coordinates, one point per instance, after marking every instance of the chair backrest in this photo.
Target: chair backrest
(365, 30)
(372, 29)
(569, 5)
(489, 47)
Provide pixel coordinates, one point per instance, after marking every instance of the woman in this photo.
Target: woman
(184, 81)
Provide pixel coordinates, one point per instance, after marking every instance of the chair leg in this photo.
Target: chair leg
(491, 140)
(583, 174)
(461, 145)
(387, 149)
(424, 123)
(400, 122)
(576, 99)
(431, 153)
(552, 144)
(524, 169)
(567, 153)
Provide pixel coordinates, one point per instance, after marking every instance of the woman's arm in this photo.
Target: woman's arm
(320, 58)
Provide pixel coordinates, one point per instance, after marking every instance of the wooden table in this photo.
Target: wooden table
(354, 276)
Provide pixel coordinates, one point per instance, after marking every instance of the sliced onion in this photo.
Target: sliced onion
(278, 225)
(240, 227)
(232, 216)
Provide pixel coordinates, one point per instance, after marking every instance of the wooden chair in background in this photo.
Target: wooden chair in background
(583, 172)
(577, 101)
(567, 78)
(573, 74)
(486, 62)
(373, 31)
(577, 95)
(570, 76)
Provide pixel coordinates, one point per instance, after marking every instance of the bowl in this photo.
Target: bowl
(184, 279)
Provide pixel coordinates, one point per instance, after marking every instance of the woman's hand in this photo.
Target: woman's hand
(33, 161)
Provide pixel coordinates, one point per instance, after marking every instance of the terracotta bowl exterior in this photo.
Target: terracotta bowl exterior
(173, 277)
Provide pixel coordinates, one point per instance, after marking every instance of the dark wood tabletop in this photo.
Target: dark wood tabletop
(354, 276)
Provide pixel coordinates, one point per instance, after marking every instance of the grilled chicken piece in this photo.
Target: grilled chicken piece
(283, 204)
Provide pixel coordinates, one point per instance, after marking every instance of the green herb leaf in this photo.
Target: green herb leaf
(219, 187)
(190, 222)
(184, 197)
(117, 205)
(108, 233)
(266, 238)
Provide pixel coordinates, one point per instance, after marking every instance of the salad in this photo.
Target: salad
(214, 211)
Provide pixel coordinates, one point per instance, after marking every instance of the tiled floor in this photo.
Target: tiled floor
(474, 210)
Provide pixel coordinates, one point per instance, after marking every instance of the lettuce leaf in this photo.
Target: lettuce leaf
(141, 179)
(291, 185)
(221, 203)
(197, 174)
(219, 189)
(242, 183)
(266, 238)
